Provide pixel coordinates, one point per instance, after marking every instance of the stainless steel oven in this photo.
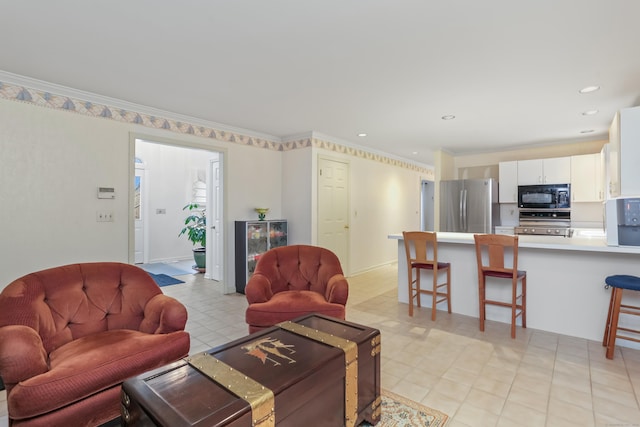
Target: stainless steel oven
(548, 222)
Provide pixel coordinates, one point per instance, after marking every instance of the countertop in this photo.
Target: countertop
(591, 240)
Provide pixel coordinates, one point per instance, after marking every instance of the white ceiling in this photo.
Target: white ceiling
(508, 70)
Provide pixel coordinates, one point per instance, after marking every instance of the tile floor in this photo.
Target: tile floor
(478, 379)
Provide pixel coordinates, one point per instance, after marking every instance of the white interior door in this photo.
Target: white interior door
(214, 221)
(333, 208)
(138, 214)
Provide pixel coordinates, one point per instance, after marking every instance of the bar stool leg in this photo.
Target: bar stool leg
(410, 291)
(449, 289)
(611, 343)
(481, 291)
(524, 302)
(418, 288)
(434, 295)
(514, 305)
(607, 327)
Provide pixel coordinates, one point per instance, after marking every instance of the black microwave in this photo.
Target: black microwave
(548, 196)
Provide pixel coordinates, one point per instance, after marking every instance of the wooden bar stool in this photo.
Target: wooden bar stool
(422, 254)
(492, 262)
(619, 283)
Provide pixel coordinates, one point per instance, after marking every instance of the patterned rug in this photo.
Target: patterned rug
(398, 411)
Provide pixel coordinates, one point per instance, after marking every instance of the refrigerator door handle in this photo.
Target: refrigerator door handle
(464, 212)
(461, 211)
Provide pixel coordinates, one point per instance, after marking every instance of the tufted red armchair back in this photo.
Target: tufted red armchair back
(299, 267)
(66, 303)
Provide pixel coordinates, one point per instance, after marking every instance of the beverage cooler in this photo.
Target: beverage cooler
(623, 221)
(253, 238)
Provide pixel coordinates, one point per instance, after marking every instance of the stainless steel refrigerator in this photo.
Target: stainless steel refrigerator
(469, 205)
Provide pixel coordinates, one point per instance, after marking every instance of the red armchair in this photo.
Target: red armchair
(291, 281)
(70, 335)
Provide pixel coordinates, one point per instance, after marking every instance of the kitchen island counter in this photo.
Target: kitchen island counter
(565, 280)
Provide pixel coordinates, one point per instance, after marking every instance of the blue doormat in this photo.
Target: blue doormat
(164, 280)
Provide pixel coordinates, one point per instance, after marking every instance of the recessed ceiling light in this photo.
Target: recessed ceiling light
(414, 152)
(587, 131)
(589, 89)
(362, 134)
(589, 112)
(448, 117)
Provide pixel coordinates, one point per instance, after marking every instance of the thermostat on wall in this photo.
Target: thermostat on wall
(106, 193)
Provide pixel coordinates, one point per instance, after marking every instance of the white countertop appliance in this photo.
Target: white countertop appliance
(623, 221)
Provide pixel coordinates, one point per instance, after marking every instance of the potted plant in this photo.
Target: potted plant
(195, 228)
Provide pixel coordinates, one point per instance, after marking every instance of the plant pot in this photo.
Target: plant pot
(200, 257)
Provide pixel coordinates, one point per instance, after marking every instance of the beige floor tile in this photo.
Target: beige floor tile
(473, 415)
(524, 415)
(487, 401)
(570, 395)
(620, 412)
(571, 413)
(580, 384)
(615, 395)
(526, 397)
(524, 381)
(499, 374)
(452, 389)
(491, 386)
(460, 375)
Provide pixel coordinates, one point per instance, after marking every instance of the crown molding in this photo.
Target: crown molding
(61, 90)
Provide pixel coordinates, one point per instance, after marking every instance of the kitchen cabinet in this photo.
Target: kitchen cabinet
(587, 180)
(623, 173)
(253, 238)
(508, 182)
(544, 171)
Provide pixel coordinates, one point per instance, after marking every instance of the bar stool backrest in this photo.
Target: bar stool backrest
(497, 253)
(421, 247)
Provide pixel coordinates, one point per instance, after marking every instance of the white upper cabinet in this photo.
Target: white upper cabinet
(587, 180)
(508, 182)
(623, 172)
(544, 171)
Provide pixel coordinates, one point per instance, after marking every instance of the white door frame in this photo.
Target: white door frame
(215, 229)
(140, 172)
(188, 142)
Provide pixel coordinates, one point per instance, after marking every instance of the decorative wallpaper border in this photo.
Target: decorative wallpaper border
(40, 98)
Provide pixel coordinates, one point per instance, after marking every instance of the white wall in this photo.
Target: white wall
(51, 163)
(296, 194)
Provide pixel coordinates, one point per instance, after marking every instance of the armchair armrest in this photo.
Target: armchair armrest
(163, 315)
(337, 290)
(258, 289)
(22, 354)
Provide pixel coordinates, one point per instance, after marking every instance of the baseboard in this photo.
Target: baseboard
(374, 267)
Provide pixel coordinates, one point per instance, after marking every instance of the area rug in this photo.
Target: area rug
(164, 280)
(398, 411)
(163, 268)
